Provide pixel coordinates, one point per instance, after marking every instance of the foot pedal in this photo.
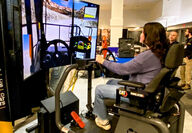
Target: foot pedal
(77, 119)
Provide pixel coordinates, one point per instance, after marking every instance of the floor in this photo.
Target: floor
(80, 91)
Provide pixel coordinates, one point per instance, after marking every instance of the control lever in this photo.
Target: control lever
(77, 119)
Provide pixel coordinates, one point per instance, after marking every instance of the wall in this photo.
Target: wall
(132, 18)
(156, 11)
(176, 12)
(104, 18)
(186, 7)
(167, 12)
(171, 8)
(135, 18)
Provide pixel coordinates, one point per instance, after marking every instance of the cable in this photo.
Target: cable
(73, 81)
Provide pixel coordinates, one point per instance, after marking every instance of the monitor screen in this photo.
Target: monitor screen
(80, 47)
(60, 25)
(57, 19)
(30, 39)
(86, 18)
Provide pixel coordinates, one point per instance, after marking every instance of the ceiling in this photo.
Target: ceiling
(128, 4)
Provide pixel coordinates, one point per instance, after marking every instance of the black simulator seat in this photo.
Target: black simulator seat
(154, 108)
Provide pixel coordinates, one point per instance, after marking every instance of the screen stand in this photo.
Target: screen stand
(89, 66)
(89, 114)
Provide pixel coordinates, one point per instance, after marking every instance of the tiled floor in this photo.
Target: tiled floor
(81, 92)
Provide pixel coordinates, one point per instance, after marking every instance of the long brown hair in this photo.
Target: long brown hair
(155, 39)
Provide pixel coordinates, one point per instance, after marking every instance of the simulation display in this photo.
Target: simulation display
(80, 47)
(86, 18)
(56, 53)
(30, 39)
(60, 21)
(60, 24)
(57, 19)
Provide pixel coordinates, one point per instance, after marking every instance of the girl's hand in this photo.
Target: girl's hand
(100, 59)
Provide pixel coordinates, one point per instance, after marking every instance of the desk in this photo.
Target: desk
(123, 60)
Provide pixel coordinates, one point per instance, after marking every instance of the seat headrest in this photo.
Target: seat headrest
(174, 56)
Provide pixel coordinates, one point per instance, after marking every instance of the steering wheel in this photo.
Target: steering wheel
(109, 54)
(55, 55)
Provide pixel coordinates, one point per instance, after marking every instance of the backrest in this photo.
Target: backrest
(173, 60)
(174, 56)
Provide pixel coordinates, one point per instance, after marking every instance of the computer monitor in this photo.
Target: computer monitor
(86, 17)
(57, 19)
(62, 24)
(30, 39)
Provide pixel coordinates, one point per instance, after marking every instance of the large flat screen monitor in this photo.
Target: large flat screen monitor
(86, 17)
(61, 22)
(30, 39)
(57, 19)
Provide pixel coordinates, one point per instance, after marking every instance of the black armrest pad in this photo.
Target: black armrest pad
(132, 84)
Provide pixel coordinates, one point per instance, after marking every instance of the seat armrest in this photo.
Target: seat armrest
(132, 84)
(137, 99)
(131, 94)
(138, 93)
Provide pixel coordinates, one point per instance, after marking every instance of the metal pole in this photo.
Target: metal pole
(57, 99)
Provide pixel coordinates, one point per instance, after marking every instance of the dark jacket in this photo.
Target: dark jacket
(188, 48)
(175, 42)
